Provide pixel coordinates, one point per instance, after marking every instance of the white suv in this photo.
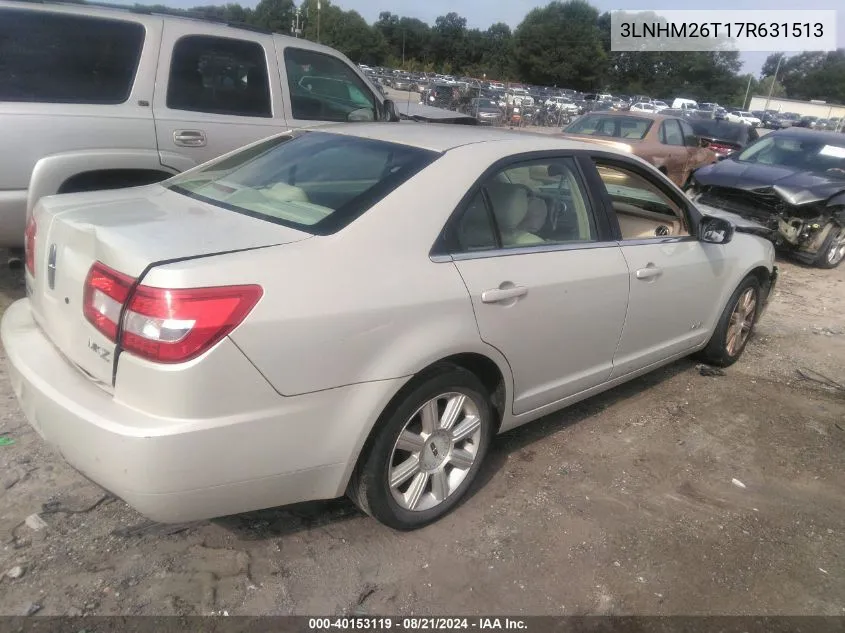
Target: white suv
(102, 98)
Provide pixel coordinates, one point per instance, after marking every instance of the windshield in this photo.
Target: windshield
(627, 127)
(485, 103)
(805, 154)
(311, 181)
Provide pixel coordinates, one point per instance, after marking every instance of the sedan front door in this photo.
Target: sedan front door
(676, 281)
(548, 285)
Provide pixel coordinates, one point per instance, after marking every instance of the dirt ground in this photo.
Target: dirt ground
(624, 504)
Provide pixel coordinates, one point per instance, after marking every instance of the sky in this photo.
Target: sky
(483, 13)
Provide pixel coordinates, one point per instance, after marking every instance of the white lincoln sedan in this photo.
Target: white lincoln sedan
(359, 310)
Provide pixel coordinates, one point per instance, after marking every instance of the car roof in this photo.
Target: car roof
(205, 24)
(444, 137)
(637, 114)
(835, 138)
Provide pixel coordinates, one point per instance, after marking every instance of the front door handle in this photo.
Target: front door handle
(503, 294)
(649, 272)
(189, 138)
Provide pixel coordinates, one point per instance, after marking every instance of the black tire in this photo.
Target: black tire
(369, 487)
(825, 258)
(716, 352)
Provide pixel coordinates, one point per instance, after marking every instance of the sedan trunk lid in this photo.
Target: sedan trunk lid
(129, 231)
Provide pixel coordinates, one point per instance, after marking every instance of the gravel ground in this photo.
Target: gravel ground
(674, 494)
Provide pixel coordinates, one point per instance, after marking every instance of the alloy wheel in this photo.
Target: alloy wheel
(434, 451)
(837, 249)
(741, 322)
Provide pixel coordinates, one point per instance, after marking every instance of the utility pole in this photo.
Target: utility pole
(319, 6)
(403, 49)
(774, 81)
(295, 25)
(747, 89)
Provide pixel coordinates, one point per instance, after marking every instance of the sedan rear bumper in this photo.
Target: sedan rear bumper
(175, 470)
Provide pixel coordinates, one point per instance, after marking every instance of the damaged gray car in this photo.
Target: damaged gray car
(793, 183)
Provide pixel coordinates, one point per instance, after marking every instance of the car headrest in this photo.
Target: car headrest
(557, 170)
(510, 204)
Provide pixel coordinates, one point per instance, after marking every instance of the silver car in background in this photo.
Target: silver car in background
(359, 310)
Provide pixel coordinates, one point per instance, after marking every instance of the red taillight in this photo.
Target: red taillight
(173, 326)
(722, 150)
(160, 324)
(29, 244)
(106, 291)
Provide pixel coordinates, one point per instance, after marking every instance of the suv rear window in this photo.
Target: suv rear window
(312, 181)
(61, 58)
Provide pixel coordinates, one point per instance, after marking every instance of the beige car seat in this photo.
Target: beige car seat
(510, 207)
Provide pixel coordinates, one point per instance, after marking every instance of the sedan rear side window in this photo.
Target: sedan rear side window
(59, 58)
(312, 181)
(534, 203)
(630, 127)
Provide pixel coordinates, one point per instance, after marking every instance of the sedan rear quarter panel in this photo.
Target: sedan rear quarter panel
(364, 304)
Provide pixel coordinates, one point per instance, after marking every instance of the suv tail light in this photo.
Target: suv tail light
(29, 244)
(160, 324)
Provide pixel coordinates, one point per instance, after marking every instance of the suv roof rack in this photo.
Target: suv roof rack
(142, 10)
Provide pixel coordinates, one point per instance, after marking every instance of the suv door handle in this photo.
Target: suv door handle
(649, 272)
(503, 294)
(189, 138)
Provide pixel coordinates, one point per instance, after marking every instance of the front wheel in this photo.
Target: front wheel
(426, 452)
(735, 325)
(832, 252)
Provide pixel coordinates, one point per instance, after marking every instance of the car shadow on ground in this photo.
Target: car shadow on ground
(288, 520)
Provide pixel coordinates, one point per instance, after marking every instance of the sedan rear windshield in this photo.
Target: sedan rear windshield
(628, 127)
(722, 130)
(312, 181)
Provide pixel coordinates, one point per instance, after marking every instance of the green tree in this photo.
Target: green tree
(275, 15)
(448, 41)
(560, 44)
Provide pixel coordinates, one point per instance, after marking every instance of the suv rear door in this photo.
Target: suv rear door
(216, 91)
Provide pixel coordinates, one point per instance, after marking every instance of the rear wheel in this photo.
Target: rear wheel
(735, 325)
(427, 451)
(832, 252)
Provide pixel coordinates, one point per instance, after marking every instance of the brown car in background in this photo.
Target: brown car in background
(668, 143)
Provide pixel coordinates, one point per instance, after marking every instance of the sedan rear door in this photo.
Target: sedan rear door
(548, 287)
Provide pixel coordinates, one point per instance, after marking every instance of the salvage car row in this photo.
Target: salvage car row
(349, 309)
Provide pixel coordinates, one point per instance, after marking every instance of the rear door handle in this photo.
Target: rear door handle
(649, 272)
(189, 138)
(503, 294)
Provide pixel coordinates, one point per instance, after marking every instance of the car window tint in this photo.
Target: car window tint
(475, 228)
(533, 203)
(641, 208)
(59, 58)
(219, 75)
(312, 181)
(615, 126)
(686, 129)
(323, 88)
(672, 134)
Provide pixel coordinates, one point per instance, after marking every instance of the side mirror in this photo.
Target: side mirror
(715, 230)
(390, 112)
